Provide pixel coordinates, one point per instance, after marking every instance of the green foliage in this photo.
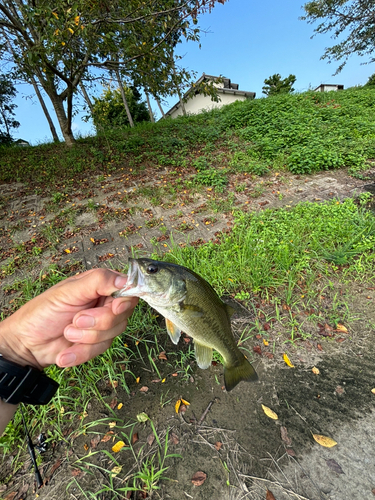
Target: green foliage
(109, 110)
(371, 81)
(276, 85)
(207, 175)
(7, 121)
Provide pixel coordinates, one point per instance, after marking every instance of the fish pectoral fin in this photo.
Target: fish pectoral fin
(203, 355)
(173, 331)
(193, 310)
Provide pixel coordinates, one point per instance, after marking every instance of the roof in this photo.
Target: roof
(339, 86)
(231, 88)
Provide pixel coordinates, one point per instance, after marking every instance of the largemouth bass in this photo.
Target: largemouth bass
(190, 304)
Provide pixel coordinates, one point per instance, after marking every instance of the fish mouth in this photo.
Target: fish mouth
(135, 282)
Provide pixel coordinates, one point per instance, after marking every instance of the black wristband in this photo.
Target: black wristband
(25, 384)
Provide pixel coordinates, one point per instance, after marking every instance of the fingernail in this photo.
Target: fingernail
(120, 281)
(68, 359)
(85, 322)
(73, 335)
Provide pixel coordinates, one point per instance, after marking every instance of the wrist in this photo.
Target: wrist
(12, 349)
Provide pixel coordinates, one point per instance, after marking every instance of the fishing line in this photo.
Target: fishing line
(31, 450)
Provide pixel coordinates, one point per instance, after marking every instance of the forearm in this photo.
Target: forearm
(7, 412)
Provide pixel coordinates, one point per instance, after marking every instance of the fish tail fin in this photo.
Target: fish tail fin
(235, 373)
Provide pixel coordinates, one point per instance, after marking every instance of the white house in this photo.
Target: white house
(327, 87)
(196, 102)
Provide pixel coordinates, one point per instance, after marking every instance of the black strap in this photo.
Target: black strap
(25, 384)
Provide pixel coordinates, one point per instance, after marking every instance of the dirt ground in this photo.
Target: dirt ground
(238, 451)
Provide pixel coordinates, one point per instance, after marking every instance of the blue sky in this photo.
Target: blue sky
(247, 41)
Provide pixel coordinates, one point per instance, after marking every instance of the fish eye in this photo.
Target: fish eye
(152, 269)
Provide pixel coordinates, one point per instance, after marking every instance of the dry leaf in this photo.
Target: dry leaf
(112, 424)
(177, 405)
(270, 495)
(113, 403)
(174, 438)
(270, 413)
(150, 439)
(333, 465)
(107, 436)
(284, 436)
(373, 391)
(143, 389)
(291, 452)
(163, 356)
(341, 328)
(10, 496)
(325, 441)
(135, 438)
(95, 441)
(269, 355)
(85, 447)
(265, 342)
(315, 370)
(287, 360)
(120, 405)
(142, 417)
(199, 478)
(138, 379)
(319, 347)
(218, 445)
(116, 470)
(118, 446)
(76, 472)
(257, 349)
(185, 402)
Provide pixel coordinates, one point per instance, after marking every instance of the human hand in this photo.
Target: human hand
(68, 324)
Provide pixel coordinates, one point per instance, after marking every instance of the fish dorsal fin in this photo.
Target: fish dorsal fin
(230, 310)
(173, 331)
(203, 355)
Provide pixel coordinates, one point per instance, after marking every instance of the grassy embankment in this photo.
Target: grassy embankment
(282, 257)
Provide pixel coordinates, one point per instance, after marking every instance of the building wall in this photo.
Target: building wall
(200, 102)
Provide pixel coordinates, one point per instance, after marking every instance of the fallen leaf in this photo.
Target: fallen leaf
(199, 478)
(95, 441)
(177, 405)
(118, 446)
(333, 465)
(85, 447)
(150, 439)
(156, 380)
(373, 390)
(257, 349)
(174, 375)
(284, 436)
(10, 496)
(269, 355)
(325, 441)
(287, 360)
(112, 424)
(265, 342)
(142, 417)
(163, 356)
(185, 402)
(143, 389)
(315, 370)
(113, 403)
(119, 406)
(174, 438)
(341, 328)
(76, 472)
(291, 452)
(135, 438)
(116, 470)
(266, 327)
(270, 495)
(107, 436)
(138, 379)
(270, 413)
(319, 347)
(218, 445)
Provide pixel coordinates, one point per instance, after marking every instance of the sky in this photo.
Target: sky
(244, 40)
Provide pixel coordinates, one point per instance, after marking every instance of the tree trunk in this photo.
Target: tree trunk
(87, 98)
(44, 107)
(159, 104)
(149, 108)
(65, 124)
(124, 99)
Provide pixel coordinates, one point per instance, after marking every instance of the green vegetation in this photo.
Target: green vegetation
(301, 133)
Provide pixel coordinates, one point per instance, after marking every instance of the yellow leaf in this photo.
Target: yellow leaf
(67, 250)
(325, 441)
(265, 342)
(373, 391)
(142, 417)
(119, 406)
(315, 370)
(112, 424)
(76, 20)
(62, 43)
(287, 360)
(185, 402)
(177, 405)
(116, 470)
(138, 379)
(118, 446)
(54, 14)
(270, 413)
(71, 31)
(92, 239)
(163, 381)
(341, 328)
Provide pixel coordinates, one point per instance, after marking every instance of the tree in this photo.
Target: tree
(109, 111)
(275, 85)
(371, 81)
(7, 121)
(351, 19)
(60, 42)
